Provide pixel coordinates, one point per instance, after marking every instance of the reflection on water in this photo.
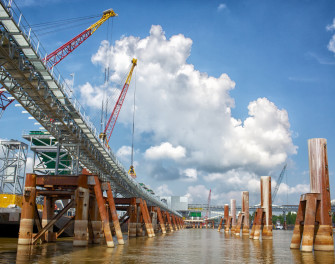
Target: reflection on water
(185, 246)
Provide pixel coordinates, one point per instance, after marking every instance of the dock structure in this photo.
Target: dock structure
(93, 211)
(313, 226)
(263, 217)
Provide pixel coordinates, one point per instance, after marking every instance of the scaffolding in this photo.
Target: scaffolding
(13, 158)
(50, 158)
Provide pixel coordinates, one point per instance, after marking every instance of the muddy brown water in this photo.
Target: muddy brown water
(184, 246)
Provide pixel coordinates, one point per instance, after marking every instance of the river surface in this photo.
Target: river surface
(183, 246)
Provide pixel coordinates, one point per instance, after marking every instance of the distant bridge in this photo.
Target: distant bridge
(220, 208)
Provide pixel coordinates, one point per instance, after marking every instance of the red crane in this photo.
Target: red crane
(55, 57)
(5, 100)
(59, 54)
(105, 136)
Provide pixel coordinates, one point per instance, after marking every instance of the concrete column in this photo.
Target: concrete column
(266, 204)
(115, 217)
(28, 211)
(47, 215)
(319, 178)
(103, 212)
(95, 221)
(82, 195)
(132, 223)
(245, 210)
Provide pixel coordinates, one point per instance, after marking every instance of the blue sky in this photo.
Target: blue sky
(275, 58)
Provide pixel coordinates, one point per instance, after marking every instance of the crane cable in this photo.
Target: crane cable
(63, 24)
(131, 171)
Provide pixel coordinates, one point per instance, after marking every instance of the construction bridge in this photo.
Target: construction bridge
(27, 75)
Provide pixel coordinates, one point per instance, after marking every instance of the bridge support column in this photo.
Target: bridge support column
(245, 210)
(132, 224)
(139, 229)
(169, 221)
(233, 215)
(115, 217)
(28, 211)
(82, 195)
(315, 207)
(145, 218)
(149, 218)
(47, 215)
(95, 221)
(103, 212)
(160, 219)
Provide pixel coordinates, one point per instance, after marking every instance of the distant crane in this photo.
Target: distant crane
(59, 54)
(208, 204)
(280, 178)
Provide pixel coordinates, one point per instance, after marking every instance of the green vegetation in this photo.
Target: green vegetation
(290, 218)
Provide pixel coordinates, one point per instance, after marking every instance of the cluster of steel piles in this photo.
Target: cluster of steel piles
(262, 225)
(313, 226)
(229, 222)
(95, 215)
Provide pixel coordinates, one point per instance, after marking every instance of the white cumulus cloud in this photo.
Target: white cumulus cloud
(163, 190)
(165, 151)
(189, 174)
(190, 112)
